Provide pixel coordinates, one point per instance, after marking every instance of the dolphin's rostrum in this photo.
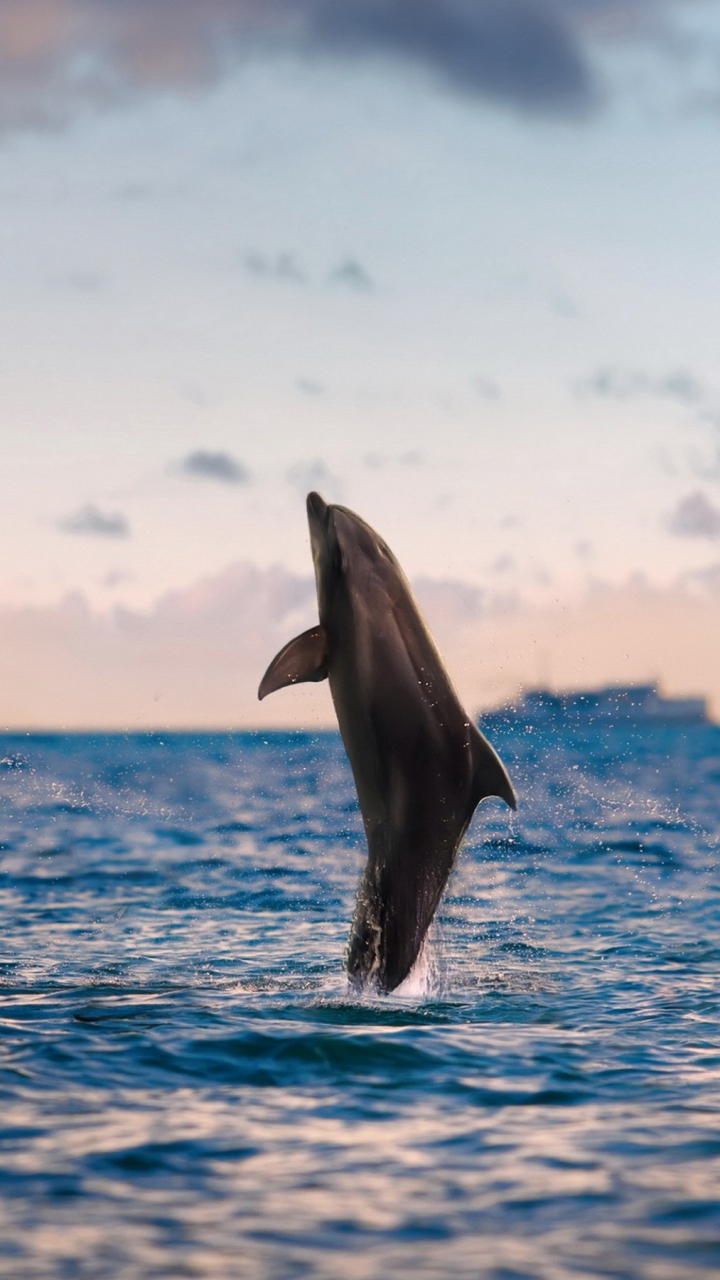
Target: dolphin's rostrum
(420, 765)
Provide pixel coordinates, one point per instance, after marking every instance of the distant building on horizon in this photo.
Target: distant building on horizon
(637, 704)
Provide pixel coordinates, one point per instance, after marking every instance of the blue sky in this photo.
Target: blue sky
(484, 315)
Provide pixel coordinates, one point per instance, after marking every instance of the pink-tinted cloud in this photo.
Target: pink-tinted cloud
(196, 657)
(696, 517)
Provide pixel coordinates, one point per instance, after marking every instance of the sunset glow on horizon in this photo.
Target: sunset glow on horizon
(263, 249)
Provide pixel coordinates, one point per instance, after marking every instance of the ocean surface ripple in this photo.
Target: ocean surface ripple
(189, 1088)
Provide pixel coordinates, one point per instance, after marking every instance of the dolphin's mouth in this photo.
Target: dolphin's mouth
(322, 541)
(319, 522)
(317, 508)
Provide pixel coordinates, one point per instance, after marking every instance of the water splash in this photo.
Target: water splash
(423, 981)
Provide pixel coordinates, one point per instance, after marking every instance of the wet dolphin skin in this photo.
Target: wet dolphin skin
(420, 765)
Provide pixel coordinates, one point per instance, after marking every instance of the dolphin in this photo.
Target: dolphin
(420, 765)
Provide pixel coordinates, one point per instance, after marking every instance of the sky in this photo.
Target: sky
(454, 263)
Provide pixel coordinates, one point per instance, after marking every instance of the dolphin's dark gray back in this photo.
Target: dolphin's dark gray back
(420, 765)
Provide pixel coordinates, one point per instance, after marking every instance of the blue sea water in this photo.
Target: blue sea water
(188, 1088)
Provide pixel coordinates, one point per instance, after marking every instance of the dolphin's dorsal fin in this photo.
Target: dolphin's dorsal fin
(303, 659)
(489, 774)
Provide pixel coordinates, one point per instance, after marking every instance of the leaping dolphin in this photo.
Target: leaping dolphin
(420, 765)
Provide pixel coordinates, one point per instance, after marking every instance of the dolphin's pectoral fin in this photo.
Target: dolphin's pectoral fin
(489, 775)
(303, 659)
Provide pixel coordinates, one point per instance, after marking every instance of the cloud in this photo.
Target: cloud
(193, 393)
(309, 387)
(376, 461)
(449, 604)
(516, 51)
(612, 383)
(704, 583)
(195, 658)
(86, 281)
(134, 191)
(282, 266)
(503, 564)
(115, 578)
(203, 465)
(90, 522)
(57, 56)
(564, 306)
(695, 517)
(352, 275)
(487, 388)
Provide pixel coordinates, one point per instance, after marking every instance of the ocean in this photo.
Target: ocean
(189, 1088)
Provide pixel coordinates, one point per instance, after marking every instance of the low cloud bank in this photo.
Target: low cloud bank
(196, 658)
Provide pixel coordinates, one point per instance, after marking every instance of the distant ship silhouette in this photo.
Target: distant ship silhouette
(637, 703)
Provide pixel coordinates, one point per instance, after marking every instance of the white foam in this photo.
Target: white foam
(423, 979)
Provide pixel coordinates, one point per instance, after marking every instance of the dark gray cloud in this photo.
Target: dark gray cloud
(695, 517)
(613, 383)
(520, 51)
(352, 275)
(309, 387)
(59, 55)
(89, 521)
(284, 267)
(205, 465)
